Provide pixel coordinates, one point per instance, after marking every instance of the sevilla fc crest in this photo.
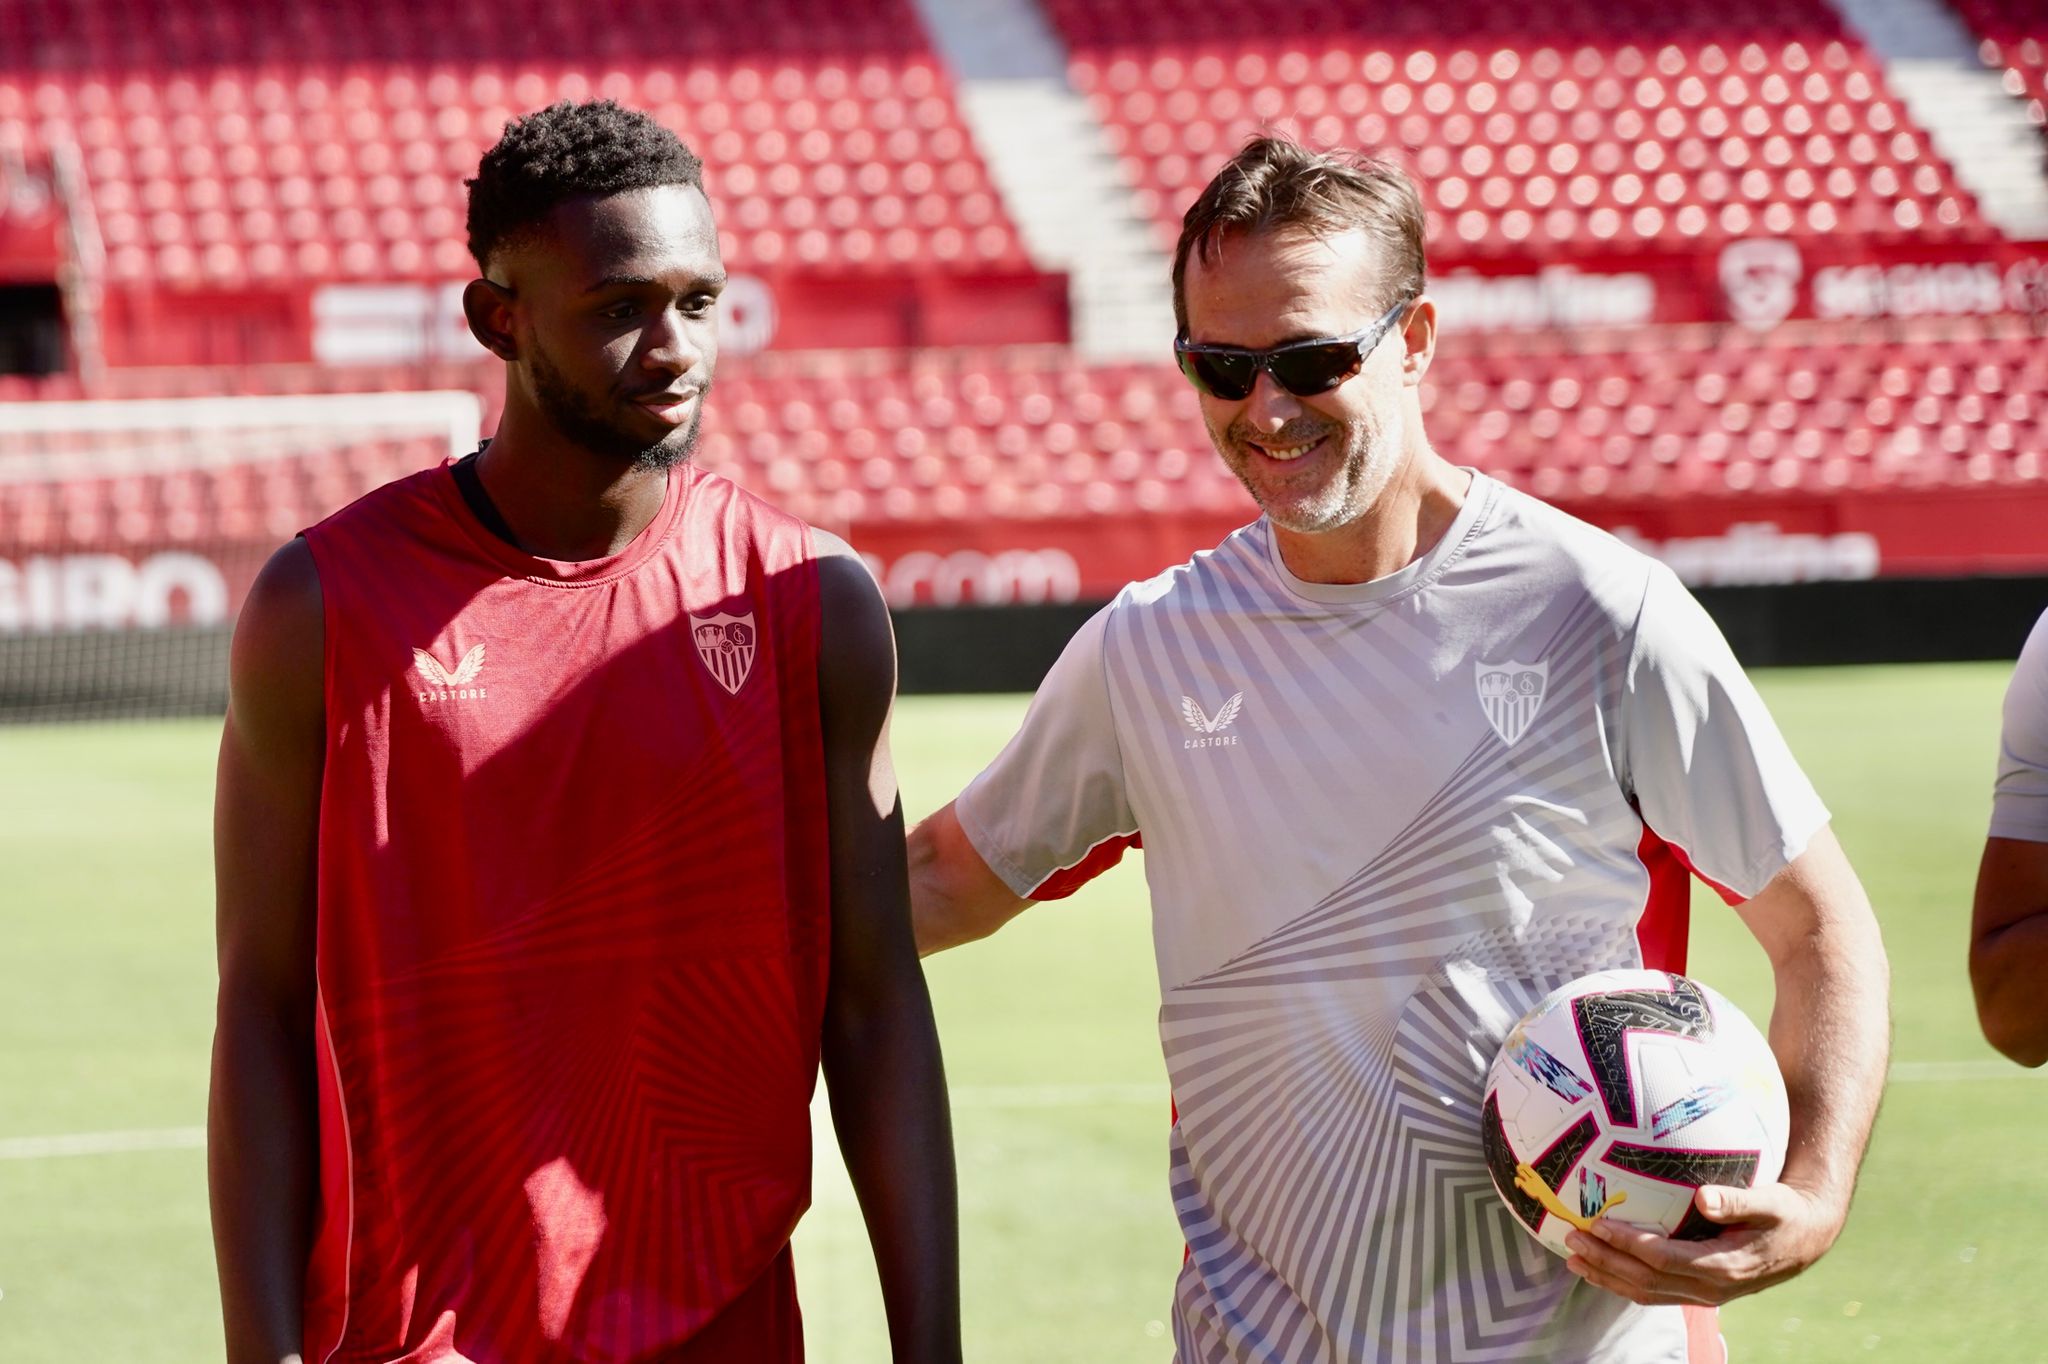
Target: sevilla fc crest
(1760, 280)
(1511, 693)
(726, 644)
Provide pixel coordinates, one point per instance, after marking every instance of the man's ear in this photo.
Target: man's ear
(488, 307)
(1418, 333)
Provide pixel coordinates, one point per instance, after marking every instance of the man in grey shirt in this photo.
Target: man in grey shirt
(1405, 754)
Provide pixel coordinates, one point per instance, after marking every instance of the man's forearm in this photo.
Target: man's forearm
(954, 897)
(2009, 947)
(939, 919)
(2007, 968)
(888, 1095)
(1831, 1032)
(261, 1166)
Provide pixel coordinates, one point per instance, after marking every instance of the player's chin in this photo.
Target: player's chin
(673, 447)
(1286, 497)
(673, 450)
(1309, 513)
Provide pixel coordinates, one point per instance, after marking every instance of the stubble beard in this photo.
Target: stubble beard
(1371, 458)
(571, 413)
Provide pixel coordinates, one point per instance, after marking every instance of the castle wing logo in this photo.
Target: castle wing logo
(1511, 693)
(464, 673)
(1201, 722)
(726, 644)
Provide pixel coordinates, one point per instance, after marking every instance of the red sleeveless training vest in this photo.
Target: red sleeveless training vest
(572, 940)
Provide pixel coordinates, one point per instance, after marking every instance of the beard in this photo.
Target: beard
(1337, 484)
(571, 412)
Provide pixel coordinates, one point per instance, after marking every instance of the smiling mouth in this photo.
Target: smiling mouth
(1282, 454)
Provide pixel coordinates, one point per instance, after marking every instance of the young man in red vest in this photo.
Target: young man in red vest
(557, 845)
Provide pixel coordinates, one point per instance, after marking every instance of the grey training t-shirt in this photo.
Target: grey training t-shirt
(1380, 822)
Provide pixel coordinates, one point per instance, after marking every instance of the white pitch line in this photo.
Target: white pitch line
(103, 1143)
(1056, 1096)
(963, 1096)
(1918, 1071)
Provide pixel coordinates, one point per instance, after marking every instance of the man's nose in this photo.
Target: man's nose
(671, 344)
(1270, 407)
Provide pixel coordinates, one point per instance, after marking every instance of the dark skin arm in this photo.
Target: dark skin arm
(260, 1122)
(2009, 948)
(881, 1048)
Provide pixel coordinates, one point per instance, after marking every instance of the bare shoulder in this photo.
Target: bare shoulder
(857, 645)
(848, 592)
(824, 543)
(829, 548)
(275, 667)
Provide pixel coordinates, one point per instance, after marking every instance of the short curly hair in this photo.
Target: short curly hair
(569, 151)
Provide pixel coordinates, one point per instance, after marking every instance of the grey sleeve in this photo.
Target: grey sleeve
(1054, 800)
(2019, 802)
(1700, 755)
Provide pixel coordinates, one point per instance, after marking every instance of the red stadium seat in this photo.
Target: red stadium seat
(1406, 73)
(371, 116)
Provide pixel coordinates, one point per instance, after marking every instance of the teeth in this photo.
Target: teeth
(1286, 452)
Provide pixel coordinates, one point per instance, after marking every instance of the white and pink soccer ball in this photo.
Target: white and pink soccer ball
(1619, 1095)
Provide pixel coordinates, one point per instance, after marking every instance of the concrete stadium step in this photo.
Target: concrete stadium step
(1048, 157)
(1931, 62)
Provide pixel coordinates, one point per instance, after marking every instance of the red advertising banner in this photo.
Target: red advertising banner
(62, 591)
(1753, 540)
(409, 322)
(1756, 282)
(1897, 533)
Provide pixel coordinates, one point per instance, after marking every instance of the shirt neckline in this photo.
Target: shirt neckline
(1409, 577)
(570, 572)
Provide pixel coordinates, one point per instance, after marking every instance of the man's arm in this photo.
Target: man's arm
(881, 1048)
(1830, 1031)
(260, 1123)
(1052, 807)
(2009, 948)
(954, 897)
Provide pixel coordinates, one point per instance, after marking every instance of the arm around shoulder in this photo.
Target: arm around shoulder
(955, 897)
(1052, 810)
(261, 1120)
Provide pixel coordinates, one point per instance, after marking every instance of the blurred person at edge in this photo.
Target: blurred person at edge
(2009, 920)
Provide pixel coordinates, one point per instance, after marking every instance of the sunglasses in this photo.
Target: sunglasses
(1303, 368)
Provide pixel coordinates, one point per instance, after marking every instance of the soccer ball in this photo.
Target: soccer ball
(1619, 1095)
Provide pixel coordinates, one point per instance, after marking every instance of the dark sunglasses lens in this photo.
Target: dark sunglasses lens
(1315, 369)
(1226, 376)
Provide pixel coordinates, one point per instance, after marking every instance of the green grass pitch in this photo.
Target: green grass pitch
(1069, 1246)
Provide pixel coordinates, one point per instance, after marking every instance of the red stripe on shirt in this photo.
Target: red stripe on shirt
(1703, 1342)
(1667, 909)
(1099, 859)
